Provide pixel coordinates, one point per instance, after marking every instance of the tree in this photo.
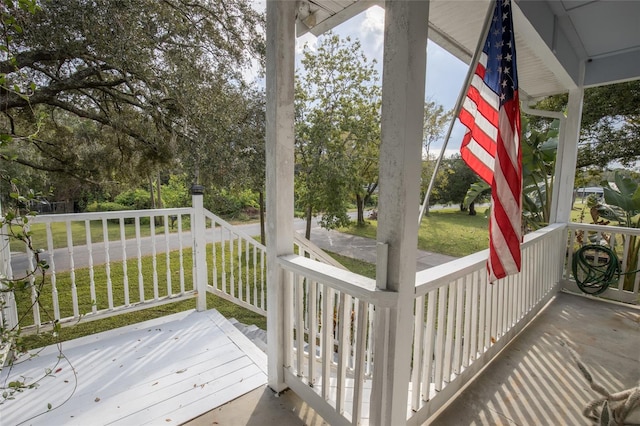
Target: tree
(435, 121)
(337, 131)
(453, 181)
(610, 128)
(129, 72)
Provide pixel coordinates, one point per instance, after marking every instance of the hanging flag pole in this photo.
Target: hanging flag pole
(461, 96)
(491, 145)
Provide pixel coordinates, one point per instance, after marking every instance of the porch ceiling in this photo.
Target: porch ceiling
(553, 37)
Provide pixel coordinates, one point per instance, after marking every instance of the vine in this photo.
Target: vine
(15, 228)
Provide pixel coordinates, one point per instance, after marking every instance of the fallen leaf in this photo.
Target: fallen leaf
(154, 384)
(167, 420)
(97, 399)
(58, 370)
(493, 339)
(181, 371)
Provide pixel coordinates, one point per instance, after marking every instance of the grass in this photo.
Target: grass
(447, 231)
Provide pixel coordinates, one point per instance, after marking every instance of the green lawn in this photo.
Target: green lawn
(447, 231)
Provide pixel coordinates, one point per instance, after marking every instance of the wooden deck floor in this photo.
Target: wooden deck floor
(165, 371)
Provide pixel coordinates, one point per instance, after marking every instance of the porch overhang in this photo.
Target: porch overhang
(554, 37)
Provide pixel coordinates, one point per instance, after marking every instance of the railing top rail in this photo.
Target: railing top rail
(600, 228)
(51, 218)
(441, 275)
(345, 281)
(236, 231)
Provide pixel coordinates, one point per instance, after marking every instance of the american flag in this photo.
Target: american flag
(491, 145)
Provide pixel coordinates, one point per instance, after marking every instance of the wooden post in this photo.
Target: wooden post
(199, 246)
(403, 89)
(280, 160)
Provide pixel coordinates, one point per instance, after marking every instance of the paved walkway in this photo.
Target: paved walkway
(365, 248)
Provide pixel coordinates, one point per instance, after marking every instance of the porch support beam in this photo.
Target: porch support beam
(567, 155)
(403, 89)
(280, 160)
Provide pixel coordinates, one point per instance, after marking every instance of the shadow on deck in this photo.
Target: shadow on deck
(198, 366)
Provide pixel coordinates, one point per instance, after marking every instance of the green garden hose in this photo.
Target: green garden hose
(594, 268)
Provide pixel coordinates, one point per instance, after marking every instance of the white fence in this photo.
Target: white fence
(97, 263)
(623, 242)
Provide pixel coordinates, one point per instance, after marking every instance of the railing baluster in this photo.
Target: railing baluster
(167, 254)
(125, 276)
(35, 307)
(247, 275)
(154, 260)
(107, 264)
(440, 337)
(224, 262)
(459, 318)
(255, 276)
(141, 294)
(214, 255)
(344, 320)
(312, 303)
(450, 320)
(428, 375)
(52, 272)
(469, 313)
(92, 283)
(299, 322)
(474, 317)
(358, 375)
(418, 347)
(327, 340)
(181, 255)
(72, 271)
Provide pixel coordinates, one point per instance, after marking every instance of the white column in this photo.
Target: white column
(566, 158)
(403, 89)
(199, 247)
(280, 160)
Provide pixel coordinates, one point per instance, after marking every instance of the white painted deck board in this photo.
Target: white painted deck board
(165, 371)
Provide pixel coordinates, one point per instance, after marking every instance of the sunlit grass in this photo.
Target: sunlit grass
(447, 231)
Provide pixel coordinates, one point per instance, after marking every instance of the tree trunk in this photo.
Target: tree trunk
(263, 238)
(472, 209)
(153, 198)
(360, 204)
(307, 232)
(159, 203)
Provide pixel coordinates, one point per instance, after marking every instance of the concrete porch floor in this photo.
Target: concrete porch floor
(532, 382)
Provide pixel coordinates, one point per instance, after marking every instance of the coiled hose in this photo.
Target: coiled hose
(594, 268)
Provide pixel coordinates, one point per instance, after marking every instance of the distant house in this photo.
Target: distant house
(584, 192)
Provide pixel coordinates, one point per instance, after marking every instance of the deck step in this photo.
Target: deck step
(257, 335)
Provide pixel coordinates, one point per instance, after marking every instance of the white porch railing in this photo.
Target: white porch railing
(329, 337)
(462, 321)
(621, 241)
(109, 247)
(98, 263)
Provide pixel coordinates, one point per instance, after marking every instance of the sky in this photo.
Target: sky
(445, 73)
